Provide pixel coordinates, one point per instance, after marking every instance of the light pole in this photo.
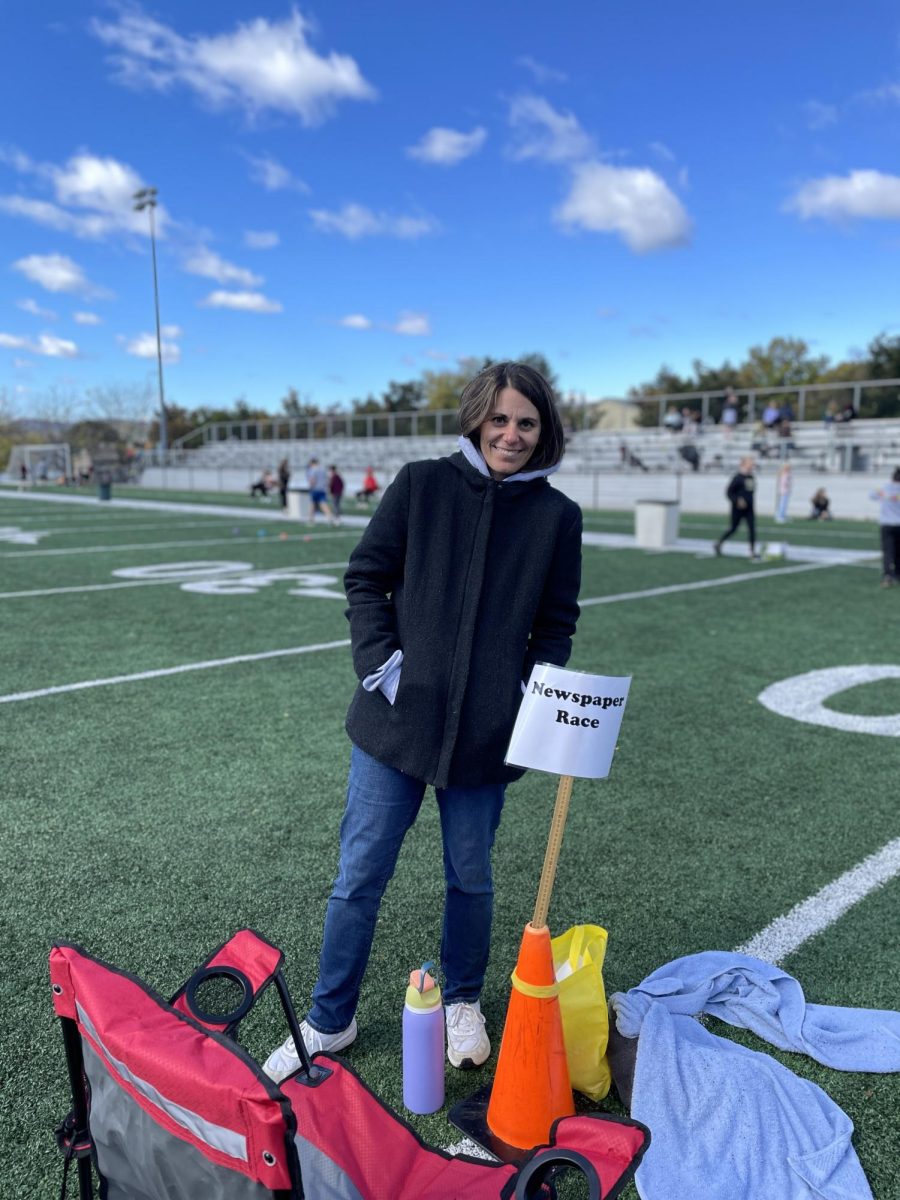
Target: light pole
(146, 198)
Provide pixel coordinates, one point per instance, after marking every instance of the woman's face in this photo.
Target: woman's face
(509, 436)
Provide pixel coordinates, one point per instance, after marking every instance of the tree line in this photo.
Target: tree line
(116, 413)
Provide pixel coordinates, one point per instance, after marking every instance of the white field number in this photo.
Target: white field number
(236, 579)
(802, 698)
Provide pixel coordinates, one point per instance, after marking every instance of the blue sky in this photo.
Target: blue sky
(353, 193)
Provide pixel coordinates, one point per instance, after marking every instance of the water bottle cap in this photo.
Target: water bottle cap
(423, 991)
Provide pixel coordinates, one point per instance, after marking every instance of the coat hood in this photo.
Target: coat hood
(474, 457)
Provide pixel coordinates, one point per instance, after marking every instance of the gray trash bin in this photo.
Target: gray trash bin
(104, 491)
(656, 523)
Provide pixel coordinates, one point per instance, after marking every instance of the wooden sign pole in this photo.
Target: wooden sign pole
(551, 858)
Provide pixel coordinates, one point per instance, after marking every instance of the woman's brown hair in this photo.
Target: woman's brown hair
(479, 397)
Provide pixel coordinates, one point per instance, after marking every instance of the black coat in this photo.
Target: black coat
(475, 581)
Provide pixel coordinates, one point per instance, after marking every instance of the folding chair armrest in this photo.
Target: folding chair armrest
(248, 959)
(539, 1171)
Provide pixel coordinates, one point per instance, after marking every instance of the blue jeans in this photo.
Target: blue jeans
(382, 804)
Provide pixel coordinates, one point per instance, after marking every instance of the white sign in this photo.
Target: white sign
(568, 722)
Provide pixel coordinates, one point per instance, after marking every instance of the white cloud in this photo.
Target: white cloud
(541, 73)
(819, 115)
(210, 265)
(170, 331)
(55, 272)
(45, 344)
(412, 324)
(102, 187)
(633, 202)
(543, 133)
(261, 239)
(242, 301)
(144, 346)
(261, 65)
(269, 173)
(86, 318)
(356, 221)
(662, 151)
(869, 195)
(43, 212)
(355, 321)
(447, 147)
(32, 307)
(889, 92)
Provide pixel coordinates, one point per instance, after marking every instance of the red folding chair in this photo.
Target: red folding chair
(168, 1106)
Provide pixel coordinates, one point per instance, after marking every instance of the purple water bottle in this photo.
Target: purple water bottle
(423, 1043)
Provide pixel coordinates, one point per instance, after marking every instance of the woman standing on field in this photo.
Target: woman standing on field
(467, 575)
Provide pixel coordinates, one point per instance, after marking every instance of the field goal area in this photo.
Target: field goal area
(45, 463)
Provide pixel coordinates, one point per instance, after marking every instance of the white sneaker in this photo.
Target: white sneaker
(285, 1060)
(467, 1042)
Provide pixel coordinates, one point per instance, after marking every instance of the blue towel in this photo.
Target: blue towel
(730, 1123)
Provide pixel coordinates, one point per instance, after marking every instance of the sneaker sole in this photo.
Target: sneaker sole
(466, 1063)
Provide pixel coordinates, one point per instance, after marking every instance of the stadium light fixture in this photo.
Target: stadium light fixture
(146, 199)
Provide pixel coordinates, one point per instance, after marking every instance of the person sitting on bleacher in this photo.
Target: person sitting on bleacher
(263, 485)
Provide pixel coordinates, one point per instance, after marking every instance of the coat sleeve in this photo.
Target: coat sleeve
(375, 570)
(557, 615)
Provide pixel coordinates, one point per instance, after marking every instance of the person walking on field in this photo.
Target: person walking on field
(466, 576)
(889, 520)
(740, 492)
(317, 479)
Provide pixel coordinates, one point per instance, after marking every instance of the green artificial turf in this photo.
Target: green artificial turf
(149, 819)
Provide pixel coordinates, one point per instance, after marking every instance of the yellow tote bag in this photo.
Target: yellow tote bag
(578, 961)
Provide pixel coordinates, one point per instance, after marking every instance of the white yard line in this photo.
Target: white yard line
(227, 541)
(126, 526)
(813, 916)
(723, 581)
(162, 672)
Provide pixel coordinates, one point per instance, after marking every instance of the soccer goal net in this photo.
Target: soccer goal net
(45, 463)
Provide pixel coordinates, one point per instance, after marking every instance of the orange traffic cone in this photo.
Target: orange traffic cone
(531, 1087)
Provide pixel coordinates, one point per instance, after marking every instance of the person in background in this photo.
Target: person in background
(466, 576)
(740, 492)
(730, 414)
(673, 420)
(889, 520)
(784, 482)
(771, 415)
(284, 478)
(263, 485)
(317, 479)
(335, 490)
(821, 506)
(369, 488)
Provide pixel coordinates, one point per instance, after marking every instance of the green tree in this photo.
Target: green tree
(179, 422)
(293, 405)
(88, 435)
(403, 397)
(883, 363)
(783, 363)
